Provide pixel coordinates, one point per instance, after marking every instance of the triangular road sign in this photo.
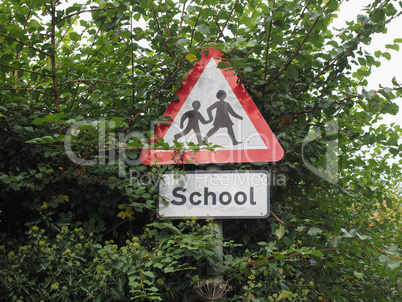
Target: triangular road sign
(213, 106)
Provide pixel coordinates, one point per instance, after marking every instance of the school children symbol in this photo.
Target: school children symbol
(222, 119)
(213, 107)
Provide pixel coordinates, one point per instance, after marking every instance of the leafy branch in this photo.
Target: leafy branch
(26, 44)
(161, 31)
(296, 51)
(23, 69)
(154, 95)
(88, 11)
(357, 41)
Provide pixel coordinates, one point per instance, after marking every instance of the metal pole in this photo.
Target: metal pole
(218, 228)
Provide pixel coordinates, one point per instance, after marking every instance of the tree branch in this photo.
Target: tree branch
(349, 49)
(23, 43)
(22, 69)
(218, 26)
(181, 19)
(161, 31)
(277, 218)
(92, 80)
(195, 24)
(53, 56)
(155, 94)
(266, 51)
(276, 259)
(88, 11)
(227, 20)
(167, 19)
(27, 89)
(293, 55)
(105, 74)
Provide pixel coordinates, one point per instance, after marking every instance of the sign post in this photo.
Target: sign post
(218, 228)
(214, 107)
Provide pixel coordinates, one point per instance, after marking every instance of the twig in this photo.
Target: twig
(276, 217)
(27, 89)
(88, 11)
(53, 57)
(294, 54)
(167, 19)
(155, 94)
(227, 20)
(181, 19)
(161, 31)
(93, 80)
(349, 49)
(22, 69)
(23, 43)
(195, 24)
(276, 259)
(266, 51)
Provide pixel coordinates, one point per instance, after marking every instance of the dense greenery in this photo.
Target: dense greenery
(104, 71)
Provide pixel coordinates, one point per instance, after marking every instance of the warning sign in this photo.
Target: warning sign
(214, 107)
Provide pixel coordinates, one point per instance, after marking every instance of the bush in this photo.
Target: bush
(71, 265)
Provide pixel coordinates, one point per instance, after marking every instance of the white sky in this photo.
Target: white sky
(382, 75)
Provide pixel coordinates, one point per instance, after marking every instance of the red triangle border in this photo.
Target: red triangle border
(272, 154)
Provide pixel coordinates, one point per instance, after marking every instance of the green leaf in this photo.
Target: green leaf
(392, 46)
(69, 279)
(117, 264)
(168, 270)
(394, 264)
(148, 274)
(394, 250)
(368, 94)
(359, 275)
(73, 8)
(204, 28)
(314, 231)
(116, 122)
(33, 25)
(316, 253)
(280, 232)
(386, 55)
(74, 36)
(362, 61)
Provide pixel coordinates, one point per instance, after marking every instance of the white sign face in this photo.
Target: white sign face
(213, 113)
(217, 194)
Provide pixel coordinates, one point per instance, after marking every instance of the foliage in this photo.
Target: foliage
(82, 85)
(70, 265)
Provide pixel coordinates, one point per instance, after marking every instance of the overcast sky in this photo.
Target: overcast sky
(382, 75)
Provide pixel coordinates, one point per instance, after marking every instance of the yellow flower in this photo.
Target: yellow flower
(191, 57)
(160, 281)
(127, 213)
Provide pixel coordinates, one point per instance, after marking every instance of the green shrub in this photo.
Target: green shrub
(71, 265)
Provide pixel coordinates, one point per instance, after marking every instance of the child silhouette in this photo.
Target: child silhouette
(193, 116)
(222, 118)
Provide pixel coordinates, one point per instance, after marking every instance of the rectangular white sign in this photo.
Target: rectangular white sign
(217, 194)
